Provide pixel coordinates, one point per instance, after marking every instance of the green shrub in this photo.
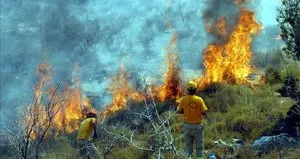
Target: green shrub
(270, 58)
(293, 153)
(247, 122)
(248, 113)
(234, 112)
(62, 149)
(166, 106)
(287, 154)
(127, 153)
(290, 87)
(272, 75)
(227, 96)
(246, 153)
(291, 69)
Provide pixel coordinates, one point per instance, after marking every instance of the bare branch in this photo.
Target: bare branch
(130, 140)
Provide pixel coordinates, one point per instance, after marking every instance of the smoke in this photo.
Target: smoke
(221, 16)
(98, 36)
(265, 13)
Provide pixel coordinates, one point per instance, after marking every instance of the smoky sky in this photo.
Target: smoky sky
(221, 8)
(228, 9)
(98, 36)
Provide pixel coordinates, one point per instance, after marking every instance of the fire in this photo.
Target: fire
(170, 89)
(229, 62)
(36, 111)
(75, 107)
(66, 108)
(226, 62)
(121, 92)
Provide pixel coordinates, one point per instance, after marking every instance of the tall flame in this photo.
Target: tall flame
(35, 116)
(170, 89)
(229, 62)
(75, 107)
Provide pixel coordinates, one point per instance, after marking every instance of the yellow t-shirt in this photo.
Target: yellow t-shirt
(85, 131)
(193, 107)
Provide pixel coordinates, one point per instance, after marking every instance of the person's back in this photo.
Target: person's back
(193, 109)
(86, 129)
(85, 135)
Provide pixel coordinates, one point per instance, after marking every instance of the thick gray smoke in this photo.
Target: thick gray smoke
(98, 36)
(217, 9)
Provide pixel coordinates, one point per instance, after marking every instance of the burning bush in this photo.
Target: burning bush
(171, 88)
(66, 108)
(121, 92)
(229, 61)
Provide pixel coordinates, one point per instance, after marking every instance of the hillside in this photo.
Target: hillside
(128, 63)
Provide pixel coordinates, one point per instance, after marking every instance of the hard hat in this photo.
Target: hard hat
(192, 85)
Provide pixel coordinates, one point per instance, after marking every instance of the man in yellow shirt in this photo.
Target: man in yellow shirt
(193, 109)
(86, 133)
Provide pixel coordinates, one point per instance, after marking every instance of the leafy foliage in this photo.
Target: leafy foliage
(269, 58)
(289, 22)
(242, 112)
(290, 87)
(272, 76)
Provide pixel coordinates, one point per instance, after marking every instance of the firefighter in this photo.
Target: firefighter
(193, 109)
(87, 133)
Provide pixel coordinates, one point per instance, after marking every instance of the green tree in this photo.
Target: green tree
(288, 19)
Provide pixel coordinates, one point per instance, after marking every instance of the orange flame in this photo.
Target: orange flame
(230, 62)
(170, 89)
(75, 107)
(69, 106)
(121, 92)
(36, 116)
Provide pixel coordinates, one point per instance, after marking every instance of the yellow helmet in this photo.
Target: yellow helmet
(192, 85)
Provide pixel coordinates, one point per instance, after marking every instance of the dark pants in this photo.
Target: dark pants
(193, 134)
(88, 149)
